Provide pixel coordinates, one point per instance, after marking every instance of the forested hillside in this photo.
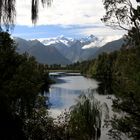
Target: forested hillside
(24, 103)
(21, 81)
(119, 74)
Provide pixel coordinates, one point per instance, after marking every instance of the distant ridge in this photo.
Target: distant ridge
(109, 47)
(72, 49)
(62, 50)
(43, 54)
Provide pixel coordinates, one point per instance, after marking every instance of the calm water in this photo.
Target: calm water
(64, 93)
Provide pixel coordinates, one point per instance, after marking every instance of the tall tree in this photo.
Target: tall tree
(21, 81)
(121, 14)
(86, 118)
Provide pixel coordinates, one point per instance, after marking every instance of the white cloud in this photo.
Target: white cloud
(69, 12)
(102, 41)
(62, 12)
(106, 34)
(101, 31)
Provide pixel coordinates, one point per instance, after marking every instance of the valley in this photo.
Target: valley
(65, 51)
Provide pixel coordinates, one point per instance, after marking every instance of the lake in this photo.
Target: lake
(63, 94)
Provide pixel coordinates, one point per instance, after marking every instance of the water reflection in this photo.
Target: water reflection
(76, 83)
(62, 98)
(64, 93)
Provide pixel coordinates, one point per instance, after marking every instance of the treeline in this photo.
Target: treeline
(74, 66)
(119, 74)
(22, 84)
(24, 106)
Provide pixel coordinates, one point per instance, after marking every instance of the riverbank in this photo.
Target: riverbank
(64, 70)
(65, 92)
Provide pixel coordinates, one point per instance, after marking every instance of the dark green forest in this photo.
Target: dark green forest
(22, 83)
(119, 72)
(24, 106)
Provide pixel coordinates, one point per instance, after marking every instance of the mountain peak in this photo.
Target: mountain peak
(89, 39)
(93, 37)
(67, 42)
(64, 50)
(61, 37)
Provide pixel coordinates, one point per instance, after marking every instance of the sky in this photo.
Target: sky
(71, 18)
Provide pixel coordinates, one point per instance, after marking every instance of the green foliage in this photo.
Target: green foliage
(119, 13)
(126, 69)
(82, 121)
(85, 118)
(21, 81)
(123, 15)
(127, 91)
(119, 72)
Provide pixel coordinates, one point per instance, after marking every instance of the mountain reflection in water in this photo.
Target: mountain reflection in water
(63, 94)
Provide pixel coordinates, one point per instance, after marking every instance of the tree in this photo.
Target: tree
(86, 118)
(127, 92)
(8, 11)
(9, 122)
(120, 14)
(21, 81)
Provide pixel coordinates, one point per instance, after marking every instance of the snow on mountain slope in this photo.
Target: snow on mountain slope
(63, 50)
(89, 39)
(68, 41)
(43, 54)
(72, 48)
(52, 41)
(99, 42)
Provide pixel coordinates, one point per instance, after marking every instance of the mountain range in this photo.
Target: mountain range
(63, 50)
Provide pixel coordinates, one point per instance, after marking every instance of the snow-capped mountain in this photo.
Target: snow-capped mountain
(89, 39)
(58, 40)
(43, 54)
(72, 49)
(68, 41)
(63, 50)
